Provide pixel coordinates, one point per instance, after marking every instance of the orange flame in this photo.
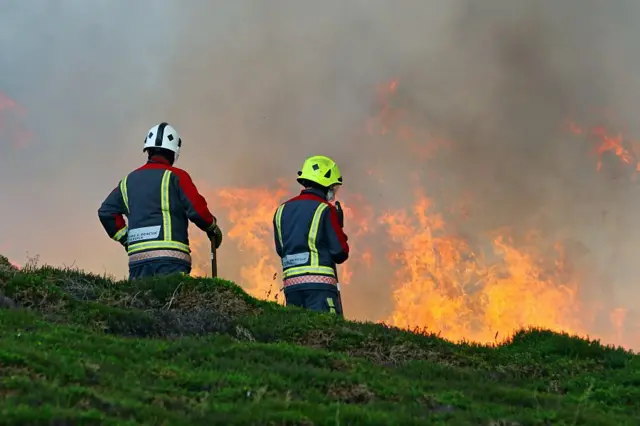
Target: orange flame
(442, 285)
(249, 214)
(627, 151)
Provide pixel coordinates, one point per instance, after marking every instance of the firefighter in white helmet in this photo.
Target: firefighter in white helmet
(158, 200)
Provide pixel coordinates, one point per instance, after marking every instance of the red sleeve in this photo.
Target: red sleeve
(120, 223)
(335, 223)
(198, 202)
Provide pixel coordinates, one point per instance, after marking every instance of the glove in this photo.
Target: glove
(215, 235)
(340, 214)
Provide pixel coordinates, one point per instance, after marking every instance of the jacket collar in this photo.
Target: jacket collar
(158, 159)
(313, 191)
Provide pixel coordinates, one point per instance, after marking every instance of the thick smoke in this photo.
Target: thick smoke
(255, 86)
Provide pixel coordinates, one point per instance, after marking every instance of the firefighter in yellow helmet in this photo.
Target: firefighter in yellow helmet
(310, 240)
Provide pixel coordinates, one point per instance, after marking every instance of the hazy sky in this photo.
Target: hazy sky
(255, 86)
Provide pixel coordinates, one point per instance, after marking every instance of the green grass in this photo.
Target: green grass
(82, 349)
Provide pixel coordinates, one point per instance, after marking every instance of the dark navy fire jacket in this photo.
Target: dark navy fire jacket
(309, 241)
(159, 201)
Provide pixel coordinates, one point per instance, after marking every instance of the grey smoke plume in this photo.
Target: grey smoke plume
(255, 86)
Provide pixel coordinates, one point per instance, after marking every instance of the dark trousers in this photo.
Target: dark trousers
(152, 268)
(315, 300)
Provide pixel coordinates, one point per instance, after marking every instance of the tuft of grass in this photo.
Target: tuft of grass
(79, 348)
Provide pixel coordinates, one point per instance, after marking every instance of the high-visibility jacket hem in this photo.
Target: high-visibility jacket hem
(159, 254)
(310, 279)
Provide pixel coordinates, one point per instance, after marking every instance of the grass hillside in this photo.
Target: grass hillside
(79, 349)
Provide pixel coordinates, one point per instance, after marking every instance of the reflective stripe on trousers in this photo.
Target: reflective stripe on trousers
(310, 279)
(153, 254)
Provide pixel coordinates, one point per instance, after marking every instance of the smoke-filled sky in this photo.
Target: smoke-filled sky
(255, 86)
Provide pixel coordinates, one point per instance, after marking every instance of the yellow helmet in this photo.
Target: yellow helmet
(321, 170)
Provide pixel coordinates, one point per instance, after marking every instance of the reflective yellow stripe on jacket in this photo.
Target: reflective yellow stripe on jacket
(166, 242)
(118, 236)
(314, 266)
(279, 223)
(123, 190)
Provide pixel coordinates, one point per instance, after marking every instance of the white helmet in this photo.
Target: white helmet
(163, 135)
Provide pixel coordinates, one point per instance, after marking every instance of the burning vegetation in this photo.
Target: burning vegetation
(434, 276)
